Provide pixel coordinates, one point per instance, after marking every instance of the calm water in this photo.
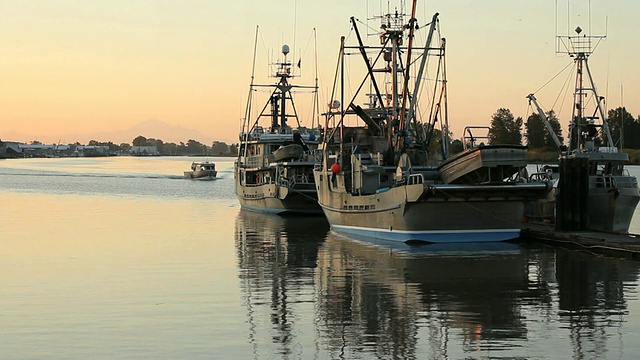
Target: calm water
(123, 258)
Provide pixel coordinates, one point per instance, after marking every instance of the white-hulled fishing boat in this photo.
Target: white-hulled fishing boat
(379, 179)
(274, 168)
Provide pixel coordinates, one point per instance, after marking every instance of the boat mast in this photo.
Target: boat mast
(279, 98)
(342, 110)
(363, 52)
(316, 104)
(423, 64)
(442, 111)
(395, 36)
(247, 114)
(578, 121)
(600, 106)
(405, 86)
(583, 129)
(393, 32)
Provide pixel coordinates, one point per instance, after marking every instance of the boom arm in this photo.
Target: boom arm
(543, 117)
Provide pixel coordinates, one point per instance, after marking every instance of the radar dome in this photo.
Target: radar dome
(285, 49)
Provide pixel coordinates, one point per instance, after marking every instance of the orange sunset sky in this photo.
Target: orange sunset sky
(87, 66)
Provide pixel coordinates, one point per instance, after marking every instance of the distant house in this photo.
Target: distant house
(144, 151)
(10, 149)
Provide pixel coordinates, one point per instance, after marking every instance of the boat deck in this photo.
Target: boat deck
(611, 244)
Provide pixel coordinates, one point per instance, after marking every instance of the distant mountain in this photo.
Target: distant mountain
(152, 129)
(156, 129)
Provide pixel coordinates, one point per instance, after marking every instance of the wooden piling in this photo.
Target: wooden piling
(572, 208)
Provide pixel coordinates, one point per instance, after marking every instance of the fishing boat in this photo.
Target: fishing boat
(201, 171)
(612, 193)
(274, 168)
(380, 178)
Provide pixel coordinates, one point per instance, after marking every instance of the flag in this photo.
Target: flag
(299, 63)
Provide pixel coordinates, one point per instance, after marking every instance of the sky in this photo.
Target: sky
(93, 66)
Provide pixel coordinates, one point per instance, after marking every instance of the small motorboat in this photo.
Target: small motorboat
(201, 170)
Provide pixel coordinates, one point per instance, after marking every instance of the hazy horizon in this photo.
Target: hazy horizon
(149, 129)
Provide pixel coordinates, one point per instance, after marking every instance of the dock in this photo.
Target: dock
(604, 243)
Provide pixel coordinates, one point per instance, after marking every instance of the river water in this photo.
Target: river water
(121, 257)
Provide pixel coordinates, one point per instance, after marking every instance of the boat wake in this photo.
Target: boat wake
(98, 175)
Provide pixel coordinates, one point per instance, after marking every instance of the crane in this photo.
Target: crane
(543, 117)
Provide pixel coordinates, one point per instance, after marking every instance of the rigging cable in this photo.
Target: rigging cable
(564, 89)
(555, 76)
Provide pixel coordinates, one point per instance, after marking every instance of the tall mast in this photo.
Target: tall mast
(247, 113)
(577, 117)
(423, 64)
(583, 128)
(393, 32)
(342, 112)
(316, 104)
(405, 86)
(443, 99)
(395, 35)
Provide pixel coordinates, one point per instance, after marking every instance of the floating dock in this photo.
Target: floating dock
(611, 244)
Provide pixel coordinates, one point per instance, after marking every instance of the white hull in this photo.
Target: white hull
(200, 175)
(430, 213)
(273, 198)
(201, 171)
(265, 199)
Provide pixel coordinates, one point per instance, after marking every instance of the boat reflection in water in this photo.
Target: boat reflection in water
(312, 293)
(405, 300)
(277, 257)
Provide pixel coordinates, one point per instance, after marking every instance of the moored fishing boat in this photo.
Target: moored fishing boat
(612, 194)
(381, 178)
(274, 168)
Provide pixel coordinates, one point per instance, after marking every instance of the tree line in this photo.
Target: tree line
(507, 129)
(191, 147)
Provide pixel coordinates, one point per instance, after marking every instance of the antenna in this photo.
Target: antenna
(577, 41)
(584, 124)
(295, 30)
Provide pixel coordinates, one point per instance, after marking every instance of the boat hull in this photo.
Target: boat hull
(200, 175)
(434, 214)
(271, 205)
(201, 171)
(274, 199)
(611, 204)
(274, 176)
(611, 212)
(431, 222)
